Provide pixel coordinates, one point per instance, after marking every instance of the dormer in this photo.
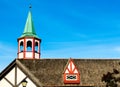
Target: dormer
(71, 74)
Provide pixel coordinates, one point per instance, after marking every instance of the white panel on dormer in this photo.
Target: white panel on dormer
(69, 66)
(66, 71)
(73, 66)
(75, 71)
(4, 83)
(29, 83)
(20, 75)
(11, 76)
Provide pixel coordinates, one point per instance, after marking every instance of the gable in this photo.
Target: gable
(71, 67)
(13, 76)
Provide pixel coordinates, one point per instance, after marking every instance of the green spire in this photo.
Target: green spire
(29, 29)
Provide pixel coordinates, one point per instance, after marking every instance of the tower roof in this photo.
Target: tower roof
(29, 29)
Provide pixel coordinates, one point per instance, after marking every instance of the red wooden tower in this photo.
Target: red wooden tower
(29, 43)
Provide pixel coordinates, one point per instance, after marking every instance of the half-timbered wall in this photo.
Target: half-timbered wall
(14, 79)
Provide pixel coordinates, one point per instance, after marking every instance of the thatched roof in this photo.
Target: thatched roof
(49, 72)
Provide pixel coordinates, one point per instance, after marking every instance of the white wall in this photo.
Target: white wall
(19, 77)
(4, 83)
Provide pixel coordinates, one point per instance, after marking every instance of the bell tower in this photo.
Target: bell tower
(29, 43)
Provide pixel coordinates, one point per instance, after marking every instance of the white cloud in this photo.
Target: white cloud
(117, 49)
(82, 51)
(7, 49)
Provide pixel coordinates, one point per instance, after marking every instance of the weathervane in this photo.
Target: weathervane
(30, 6)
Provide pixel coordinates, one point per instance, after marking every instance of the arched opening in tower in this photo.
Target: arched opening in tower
(36, 47)
(29, 46)
(21, 46)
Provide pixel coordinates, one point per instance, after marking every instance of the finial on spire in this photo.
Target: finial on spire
(30, 6)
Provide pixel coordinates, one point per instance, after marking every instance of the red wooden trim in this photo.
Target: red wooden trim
(24, 51)
(27, 51)
(18, 46)
(28, 58)
(33, 48)
(70, 67)
(39, 44)
(29, 37)
(74, 69)
(18, 50)
(68, 70)
(74, 65)
(77, 81)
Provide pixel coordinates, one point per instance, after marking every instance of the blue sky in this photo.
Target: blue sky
(68, 28)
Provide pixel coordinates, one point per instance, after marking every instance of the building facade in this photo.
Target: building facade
(29, 70)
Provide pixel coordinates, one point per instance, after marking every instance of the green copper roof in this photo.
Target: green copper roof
(29, 29)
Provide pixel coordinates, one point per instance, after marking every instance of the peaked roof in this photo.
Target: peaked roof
(49, 72)
(29, 29)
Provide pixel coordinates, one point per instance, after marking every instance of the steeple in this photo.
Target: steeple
(29, 43)
(29, 29)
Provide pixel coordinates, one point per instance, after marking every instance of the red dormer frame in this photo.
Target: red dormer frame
(71, 74)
